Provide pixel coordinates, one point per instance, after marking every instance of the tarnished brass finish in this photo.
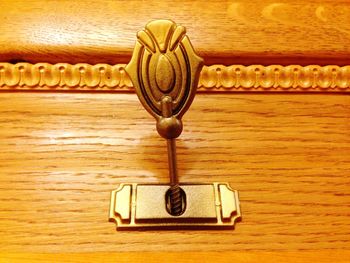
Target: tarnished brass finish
(165, 70)
(143, 206)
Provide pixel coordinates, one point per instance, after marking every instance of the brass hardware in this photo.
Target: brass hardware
(165, 69)
(136, 206)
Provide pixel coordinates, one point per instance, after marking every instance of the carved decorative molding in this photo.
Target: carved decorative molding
(214, 78)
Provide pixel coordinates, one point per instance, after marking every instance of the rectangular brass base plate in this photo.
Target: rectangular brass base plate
(144, 206)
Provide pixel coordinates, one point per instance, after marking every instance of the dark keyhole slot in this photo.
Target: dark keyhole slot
(175, 205)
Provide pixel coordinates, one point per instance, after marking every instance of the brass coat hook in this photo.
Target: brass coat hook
(165, 69)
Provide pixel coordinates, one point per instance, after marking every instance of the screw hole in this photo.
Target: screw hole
(175, 201)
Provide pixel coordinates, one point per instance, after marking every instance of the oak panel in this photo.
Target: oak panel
(339, 256)
(62, 154)
(241, 32)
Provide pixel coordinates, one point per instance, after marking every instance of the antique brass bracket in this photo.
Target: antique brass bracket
(165, 70)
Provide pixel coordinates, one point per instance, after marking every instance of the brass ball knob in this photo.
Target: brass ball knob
(169, 128)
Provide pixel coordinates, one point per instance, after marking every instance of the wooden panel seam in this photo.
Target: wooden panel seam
(214, 78)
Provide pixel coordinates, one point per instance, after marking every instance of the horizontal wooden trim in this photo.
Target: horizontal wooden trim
(320, 256)
(215, 78)
(230, 32)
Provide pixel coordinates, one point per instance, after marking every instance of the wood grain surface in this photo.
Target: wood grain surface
(339, 256)
(62, 154)
(240, 32)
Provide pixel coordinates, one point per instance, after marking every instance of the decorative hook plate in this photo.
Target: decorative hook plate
(165, 70)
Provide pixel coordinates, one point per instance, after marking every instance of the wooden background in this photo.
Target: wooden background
(230, 32)
(288, 154)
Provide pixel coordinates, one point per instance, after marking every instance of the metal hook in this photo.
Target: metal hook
(165, 70)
